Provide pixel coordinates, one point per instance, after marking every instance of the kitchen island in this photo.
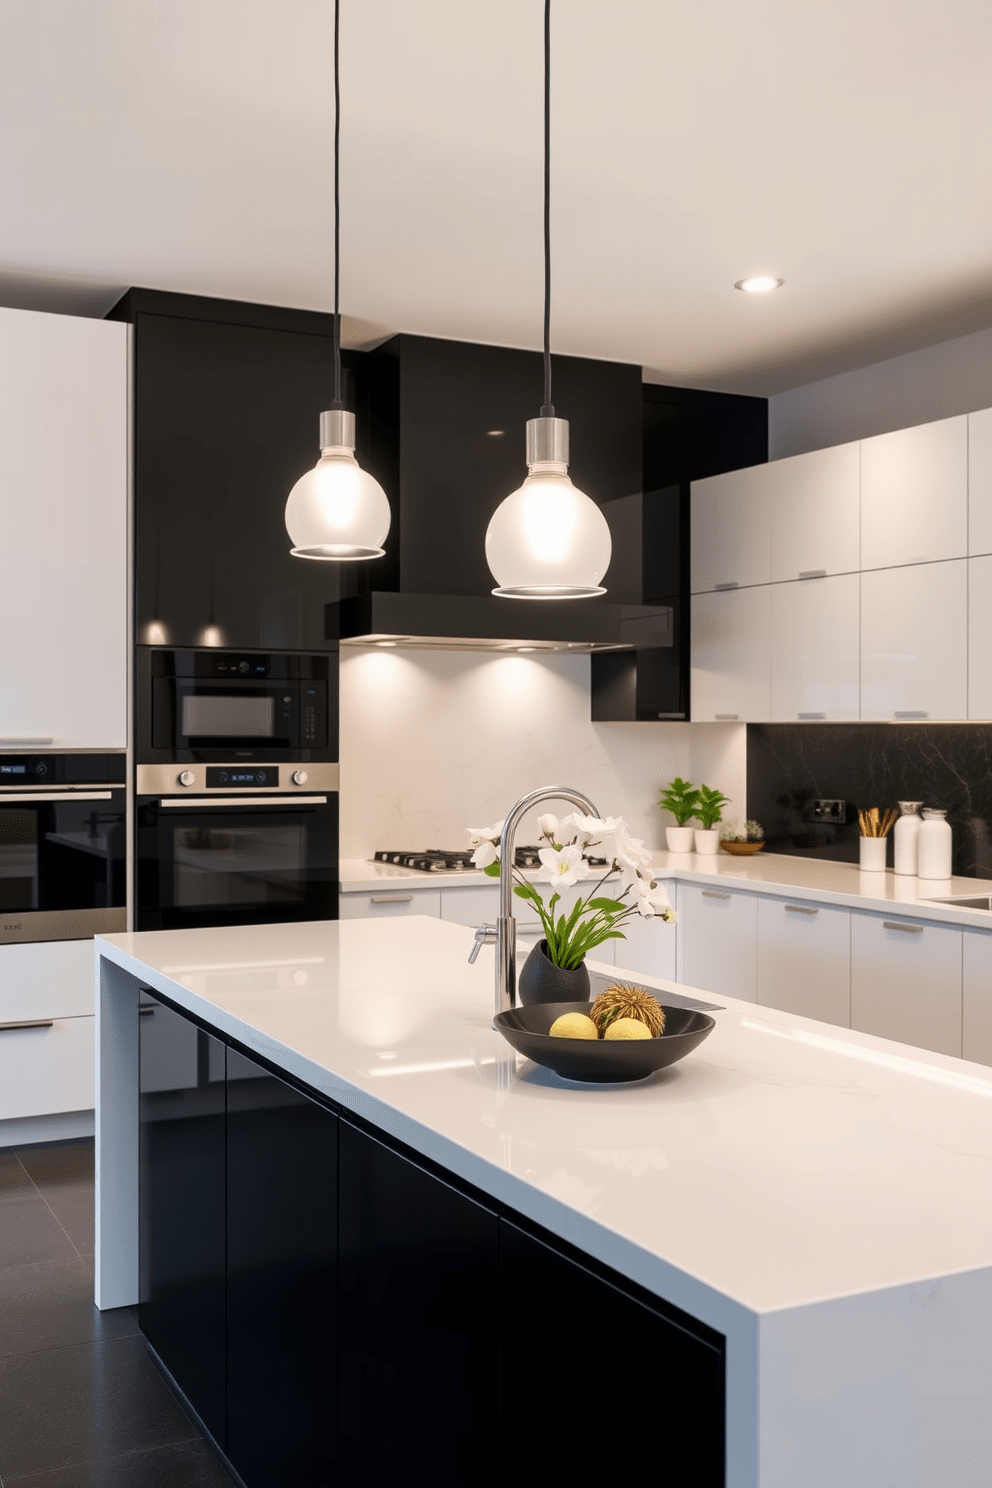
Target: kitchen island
(809, 1203)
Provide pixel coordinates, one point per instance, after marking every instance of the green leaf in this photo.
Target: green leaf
(492, 870)
(527, 891)
(610, 906)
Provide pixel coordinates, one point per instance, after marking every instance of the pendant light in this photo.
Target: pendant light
(337, 511)
(548, 540)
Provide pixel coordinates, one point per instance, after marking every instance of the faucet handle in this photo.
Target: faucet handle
(484, 935)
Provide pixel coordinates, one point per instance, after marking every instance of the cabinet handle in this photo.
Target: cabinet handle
(392, 898)
(732, 585)
(725, 717)
(146, 1012)
(27, 1023)
(12, 798)
(715, 894)
(901, 925)
(811, 715)
(911, 713)
(808, 909)
(813, 573)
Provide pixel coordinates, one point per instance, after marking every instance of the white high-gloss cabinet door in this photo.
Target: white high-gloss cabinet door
(388, 903)
(730, 530)
(906, 981)
(980, 637)
(914, 642)
(648, 947)
(815, 513)
(804, 959)
(45, 1070)
(731, 656)
(63, 513)
(47, 979)
(976, 1038)
(980, 481)
(815, 657)
(914, 495)
(717, 941)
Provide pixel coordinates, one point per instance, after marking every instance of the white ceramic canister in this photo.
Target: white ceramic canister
(933, 845)
(904, 836)
(872, 854)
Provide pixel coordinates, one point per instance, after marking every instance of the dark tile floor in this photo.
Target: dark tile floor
(81, 1404)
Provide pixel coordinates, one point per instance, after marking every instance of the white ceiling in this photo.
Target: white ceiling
(186, 145)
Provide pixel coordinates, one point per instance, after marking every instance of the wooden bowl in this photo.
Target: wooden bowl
(741, 849)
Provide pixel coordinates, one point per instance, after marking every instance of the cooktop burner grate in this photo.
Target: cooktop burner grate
(434, 860)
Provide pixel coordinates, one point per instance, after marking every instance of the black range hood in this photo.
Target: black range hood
(445, 436)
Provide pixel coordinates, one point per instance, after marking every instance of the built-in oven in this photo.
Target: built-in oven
(63, 845)
(234, 843)
(219, 706)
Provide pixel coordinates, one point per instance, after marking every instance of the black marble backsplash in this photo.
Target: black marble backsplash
(948, 765)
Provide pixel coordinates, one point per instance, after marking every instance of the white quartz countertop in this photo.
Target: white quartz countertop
(815, 879)
(780, 1164)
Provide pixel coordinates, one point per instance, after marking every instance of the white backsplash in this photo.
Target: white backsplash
(434, 741)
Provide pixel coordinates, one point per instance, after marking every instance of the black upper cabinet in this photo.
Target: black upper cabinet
(227, 400)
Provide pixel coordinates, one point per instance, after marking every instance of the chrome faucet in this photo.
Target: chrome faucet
(504, 933)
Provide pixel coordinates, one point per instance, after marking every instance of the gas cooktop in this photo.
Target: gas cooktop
(434, 860)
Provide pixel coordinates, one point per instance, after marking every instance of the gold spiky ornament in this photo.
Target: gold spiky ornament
(619, 1001)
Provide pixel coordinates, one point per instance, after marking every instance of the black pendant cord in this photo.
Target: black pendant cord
(547, 410)
(337, 212)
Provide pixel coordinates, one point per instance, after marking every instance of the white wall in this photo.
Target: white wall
(435, 741)
(953, 377)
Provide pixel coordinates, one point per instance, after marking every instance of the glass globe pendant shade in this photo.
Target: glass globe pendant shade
(548, 540)
(337, 511)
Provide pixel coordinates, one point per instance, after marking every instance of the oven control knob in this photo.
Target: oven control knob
(187, 778)
(299, 777)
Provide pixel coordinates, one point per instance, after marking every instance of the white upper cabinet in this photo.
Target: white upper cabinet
(815, 513)
(914, 495)
(980, 481)
(914, 642)
(63, 509)
(730, 654)
(815, 649)
(730, 530)
(980, 637)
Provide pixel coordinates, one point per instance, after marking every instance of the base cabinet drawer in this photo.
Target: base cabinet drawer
(46, 1069)
(387, 904)
(906, 981)
(804, 959)
(718, 932)
(47, 979)
(976, 1035)
(648, 947)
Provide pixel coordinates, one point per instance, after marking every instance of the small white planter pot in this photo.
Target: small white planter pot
(873, 850)
(707, 839)
(680, 839)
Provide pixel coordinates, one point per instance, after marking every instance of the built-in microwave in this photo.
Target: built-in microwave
(212, 705)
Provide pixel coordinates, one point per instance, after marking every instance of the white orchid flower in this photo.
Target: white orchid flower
(484, 854)
(478, 835)
(561, 868)
(547, 826)
(652, 899)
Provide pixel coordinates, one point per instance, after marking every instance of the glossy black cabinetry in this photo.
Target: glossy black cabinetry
(227, 400)
(418, 1284)
(182, 1162)
(688, 434)
(337, 1311)
(282, 1188)
(591, 1366)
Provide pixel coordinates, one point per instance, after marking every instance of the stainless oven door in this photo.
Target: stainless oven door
(62, 863)
(236, 860)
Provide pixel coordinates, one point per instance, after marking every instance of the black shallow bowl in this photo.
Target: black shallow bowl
(601, 1061)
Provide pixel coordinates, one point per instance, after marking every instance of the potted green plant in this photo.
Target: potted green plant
(708, 813)
(680, 798)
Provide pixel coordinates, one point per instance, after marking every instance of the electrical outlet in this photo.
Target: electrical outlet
(830, 811)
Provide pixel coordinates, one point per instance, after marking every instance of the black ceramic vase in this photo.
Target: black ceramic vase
(540, 980)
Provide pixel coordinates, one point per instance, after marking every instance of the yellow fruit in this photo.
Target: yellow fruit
(626, 1028)
(575, 1026)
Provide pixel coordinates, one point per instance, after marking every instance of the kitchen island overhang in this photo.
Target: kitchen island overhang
(815, 1196)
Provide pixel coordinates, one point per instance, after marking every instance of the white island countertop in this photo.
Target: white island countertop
(819, 1196)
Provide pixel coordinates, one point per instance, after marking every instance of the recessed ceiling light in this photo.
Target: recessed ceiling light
(495, 433)
(759, 284)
